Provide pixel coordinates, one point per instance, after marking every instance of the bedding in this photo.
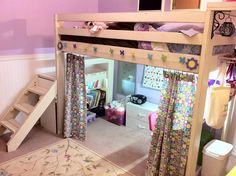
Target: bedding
(189, 29)
(171, 47)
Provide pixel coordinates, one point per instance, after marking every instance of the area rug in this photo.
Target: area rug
(64, 158)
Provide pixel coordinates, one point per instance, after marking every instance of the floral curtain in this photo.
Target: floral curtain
(170, 142)
(75, 98)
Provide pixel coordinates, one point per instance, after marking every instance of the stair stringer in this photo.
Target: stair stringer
(19, 136)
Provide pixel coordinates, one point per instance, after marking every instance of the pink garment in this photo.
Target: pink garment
(152, 120)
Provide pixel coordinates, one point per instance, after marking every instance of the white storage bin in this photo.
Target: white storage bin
(215, 158)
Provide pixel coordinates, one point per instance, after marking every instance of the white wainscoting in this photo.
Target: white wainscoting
(17, 71)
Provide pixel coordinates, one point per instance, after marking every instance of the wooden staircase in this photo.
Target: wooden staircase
(20, 118)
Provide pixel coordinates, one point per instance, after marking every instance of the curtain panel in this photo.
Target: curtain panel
(75, 122)
(170, 141)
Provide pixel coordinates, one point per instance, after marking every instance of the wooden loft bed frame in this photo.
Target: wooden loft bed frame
(207, 62)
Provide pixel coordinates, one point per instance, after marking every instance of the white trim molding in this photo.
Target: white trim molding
(49, 56)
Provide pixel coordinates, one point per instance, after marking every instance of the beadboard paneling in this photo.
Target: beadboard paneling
(17, 71)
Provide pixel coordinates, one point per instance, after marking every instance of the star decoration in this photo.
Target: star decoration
(133, 55)
(163, 58)
(59, 46)
(182, 60)
(95, 49)
(150, 56)
(122, 52)
(111, 51)
(192, 64)
(85, 50)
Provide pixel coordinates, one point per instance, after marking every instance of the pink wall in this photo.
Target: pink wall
(27, 26)
(122, 5)
(117, 5)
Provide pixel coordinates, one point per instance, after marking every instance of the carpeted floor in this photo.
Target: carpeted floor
(123, 146)
(126, 147)
(36, 139)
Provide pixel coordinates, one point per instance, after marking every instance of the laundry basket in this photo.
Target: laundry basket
(215, 158)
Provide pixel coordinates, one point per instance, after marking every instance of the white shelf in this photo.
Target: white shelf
(94, 70)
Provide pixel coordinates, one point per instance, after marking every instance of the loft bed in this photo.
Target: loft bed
(207, 60)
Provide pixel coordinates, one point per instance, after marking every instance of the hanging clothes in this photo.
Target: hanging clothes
(231, 78)
(170, 142)
(75, 98)
(217, 98)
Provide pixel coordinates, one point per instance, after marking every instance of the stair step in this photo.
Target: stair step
(38, 90)
(49, 76)
(24, 107)
(11, 124)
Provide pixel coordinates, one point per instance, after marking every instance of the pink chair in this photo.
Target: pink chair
(152, 120)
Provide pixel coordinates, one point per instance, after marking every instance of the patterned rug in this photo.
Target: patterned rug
(64, 158)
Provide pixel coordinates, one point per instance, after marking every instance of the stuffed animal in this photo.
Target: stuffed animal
(95, 26)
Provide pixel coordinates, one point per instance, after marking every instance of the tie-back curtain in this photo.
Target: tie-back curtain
(170, 142)
(75, 98)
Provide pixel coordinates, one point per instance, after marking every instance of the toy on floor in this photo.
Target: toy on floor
(90, 117)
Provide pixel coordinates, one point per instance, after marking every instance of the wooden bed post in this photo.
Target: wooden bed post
(204, 69)
(60, 69)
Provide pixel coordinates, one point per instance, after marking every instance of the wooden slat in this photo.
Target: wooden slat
(165, 37)
(37, 90)
(9, 125)
(141, 56)
(221, 6)
(23, 107)
(44, 83)
(47, 76)
(220, 40)
(14, 122)
(173, 16)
